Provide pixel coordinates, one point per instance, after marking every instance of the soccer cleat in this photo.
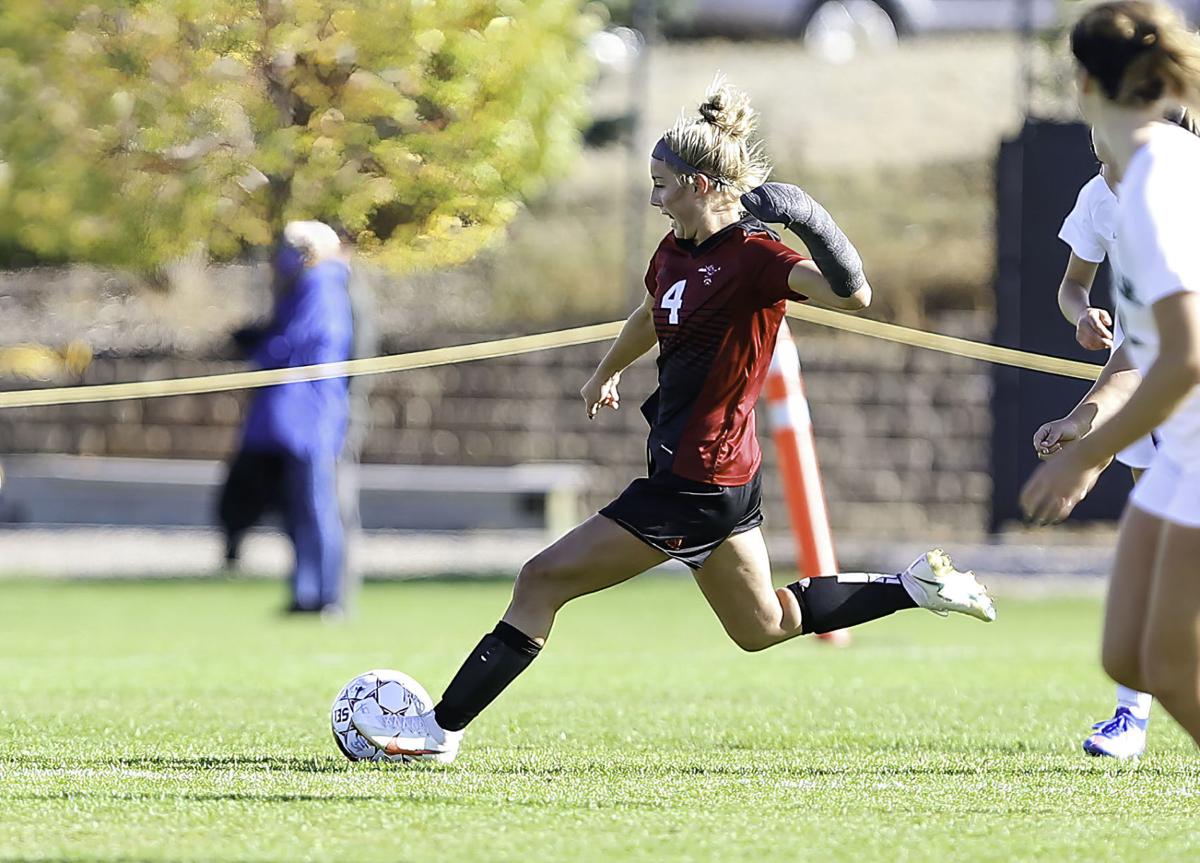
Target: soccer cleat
(933, 583)
(416, 736)
(1121, 737)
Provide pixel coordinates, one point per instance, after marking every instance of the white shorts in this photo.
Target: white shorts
(1169, 491)
(1139, 454)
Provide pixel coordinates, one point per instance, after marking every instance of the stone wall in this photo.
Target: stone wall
(902, 435)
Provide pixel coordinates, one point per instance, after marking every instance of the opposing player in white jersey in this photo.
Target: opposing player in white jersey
(1090, 230)
(1135, 60)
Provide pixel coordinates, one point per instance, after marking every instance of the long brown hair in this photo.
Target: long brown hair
(1138, 51)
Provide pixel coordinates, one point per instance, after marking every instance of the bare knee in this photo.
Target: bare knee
(755, 636)
(769, 626)
(542, 581)
(753, 642)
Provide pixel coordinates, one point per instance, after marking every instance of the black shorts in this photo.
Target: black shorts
(683, 518)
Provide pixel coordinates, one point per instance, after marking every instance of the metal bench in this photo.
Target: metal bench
(83, 490)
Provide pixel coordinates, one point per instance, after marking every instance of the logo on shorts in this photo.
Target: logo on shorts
(674, 543)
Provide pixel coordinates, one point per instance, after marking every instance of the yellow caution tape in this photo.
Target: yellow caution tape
(349, 368)
(945, 344)
(521, 345)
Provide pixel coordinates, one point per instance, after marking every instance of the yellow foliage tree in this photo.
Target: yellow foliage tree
(134, 132)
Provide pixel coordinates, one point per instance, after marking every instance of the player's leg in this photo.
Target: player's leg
(595, 555)
(1171, 650)
(1136, 703)
(736, 581)
(1126, 608)
(1124, 734)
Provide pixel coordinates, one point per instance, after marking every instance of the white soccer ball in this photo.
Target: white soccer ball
(394, 692)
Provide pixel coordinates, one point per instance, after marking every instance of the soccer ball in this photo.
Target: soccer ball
(393, 691)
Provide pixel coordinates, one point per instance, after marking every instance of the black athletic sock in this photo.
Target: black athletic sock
(836, 602)
(495, 662)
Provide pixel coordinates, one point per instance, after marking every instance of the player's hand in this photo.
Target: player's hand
(1093, 330)
(1054, 435)
(599, 393)
(1057, 487)
(778, 202)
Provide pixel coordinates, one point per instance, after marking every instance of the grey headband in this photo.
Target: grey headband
(664, 153)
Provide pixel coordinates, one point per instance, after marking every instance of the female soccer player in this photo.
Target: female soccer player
(1135, 60)
(1090, 230)
(715, 296)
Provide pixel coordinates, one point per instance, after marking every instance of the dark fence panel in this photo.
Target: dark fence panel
(1038, 175)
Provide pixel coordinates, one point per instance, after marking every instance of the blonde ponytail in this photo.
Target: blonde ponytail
(719, 142)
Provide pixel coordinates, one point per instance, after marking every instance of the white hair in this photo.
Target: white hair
(315, 240)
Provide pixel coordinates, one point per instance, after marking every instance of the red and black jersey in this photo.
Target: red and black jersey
(717, 310)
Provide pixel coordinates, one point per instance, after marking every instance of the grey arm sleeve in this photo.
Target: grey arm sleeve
(831, 249)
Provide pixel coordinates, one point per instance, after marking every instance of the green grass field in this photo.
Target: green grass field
(189, 721)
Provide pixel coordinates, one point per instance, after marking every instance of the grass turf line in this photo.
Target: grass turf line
(190, 721)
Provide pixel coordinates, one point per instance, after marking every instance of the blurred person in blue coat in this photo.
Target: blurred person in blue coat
(294, 433)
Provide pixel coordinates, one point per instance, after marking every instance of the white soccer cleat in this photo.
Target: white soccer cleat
(416, 736)
(933, 583)
(1121, 737)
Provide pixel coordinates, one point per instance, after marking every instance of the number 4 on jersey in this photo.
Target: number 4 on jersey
(673, 300)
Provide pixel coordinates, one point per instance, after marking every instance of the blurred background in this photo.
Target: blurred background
(485, 164)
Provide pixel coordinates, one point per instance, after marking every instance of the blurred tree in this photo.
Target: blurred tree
(134, 132)
(669, 16)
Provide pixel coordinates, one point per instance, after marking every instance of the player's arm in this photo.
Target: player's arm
(636, 337)
(1116, 383)
(1093, 327)
(806, 278)
(1057, 486)
(1174, 373)
(835, 277)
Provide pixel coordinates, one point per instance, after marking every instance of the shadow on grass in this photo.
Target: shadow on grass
(773, 771)
(636, 765)
(310, 764)
(214, 796)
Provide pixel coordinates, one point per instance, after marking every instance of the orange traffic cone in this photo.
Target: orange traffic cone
(791, 427)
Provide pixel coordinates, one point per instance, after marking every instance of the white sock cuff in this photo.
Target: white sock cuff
(1138, 703)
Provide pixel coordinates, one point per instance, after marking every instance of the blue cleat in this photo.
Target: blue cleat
(1121, 737)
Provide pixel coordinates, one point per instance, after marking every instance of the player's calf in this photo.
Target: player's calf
(841, 601)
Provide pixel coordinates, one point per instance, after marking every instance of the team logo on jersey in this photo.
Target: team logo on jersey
(1126, 289)
(708, 273)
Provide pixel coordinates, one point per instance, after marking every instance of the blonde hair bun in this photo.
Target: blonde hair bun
(719, 143)
(728, 108)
